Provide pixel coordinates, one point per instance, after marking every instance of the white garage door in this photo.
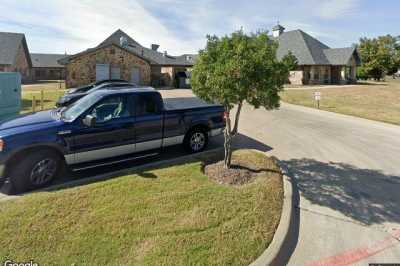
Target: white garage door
(102, 72)
(135, 76)
(115, 73)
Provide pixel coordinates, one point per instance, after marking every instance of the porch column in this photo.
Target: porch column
(343, 75)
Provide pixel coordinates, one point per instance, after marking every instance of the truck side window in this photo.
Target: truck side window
(111, 108)
(146, 105)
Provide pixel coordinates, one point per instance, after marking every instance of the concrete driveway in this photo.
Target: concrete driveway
(347, 171)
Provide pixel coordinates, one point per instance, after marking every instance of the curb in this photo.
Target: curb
(110, 175)
(270, 255)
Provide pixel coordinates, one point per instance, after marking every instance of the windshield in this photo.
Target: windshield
(80, 106)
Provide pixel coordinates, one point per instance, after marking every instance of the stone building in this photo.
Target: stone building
(14, 55)
(317, 63)
(46, 67)
(121, 57)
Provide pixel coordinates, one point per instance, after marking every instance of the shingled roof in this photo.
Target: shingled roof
(152, 56)
(47, 60)
(9, 45)
(115, 37)
(310, 51)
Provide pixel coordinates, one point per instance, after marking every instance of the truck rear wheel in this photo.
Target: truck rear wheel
(36, 170)
(196, 140)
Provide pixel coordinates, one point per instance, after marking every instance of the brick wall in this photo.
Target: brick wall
(82, 70)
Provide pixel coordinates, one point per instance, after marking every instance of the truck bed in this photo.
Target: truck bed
(184, 103)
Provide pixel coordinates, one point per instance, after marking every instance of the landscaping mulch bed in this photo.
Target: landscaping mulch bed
(243, 170)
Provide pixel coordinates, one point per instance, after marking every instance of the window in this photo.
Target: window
(111, 108)
(73, 75)
(146, 105)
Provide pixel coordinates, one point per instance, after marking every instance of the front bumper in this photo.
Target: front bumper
(3, 160)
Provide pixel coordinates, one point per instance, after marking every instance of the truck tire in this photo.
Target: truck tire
(36, 170)
(196, 140)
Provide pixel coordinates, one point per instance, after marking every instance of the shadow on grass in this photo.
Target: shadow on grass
(147, 175)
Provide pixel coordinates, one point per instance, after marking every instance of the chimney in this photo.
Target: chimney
(155, 47)
(277, 30)
(165, 54)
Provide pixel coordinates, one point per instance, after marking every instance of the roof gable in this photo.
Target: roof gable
(342, 56)
(310, 51)
(66, 60)
(151, 56)
(115, 39)
(9, 46)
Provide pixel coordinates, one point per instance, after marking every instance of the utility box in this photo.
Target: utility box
(10, 94)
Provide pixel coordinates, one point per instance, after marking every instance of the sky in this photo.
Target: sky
(180, 26)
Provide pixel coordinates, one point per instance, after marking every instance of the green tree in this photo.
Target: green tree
(290, 60)
(235, 69)
(379, 56)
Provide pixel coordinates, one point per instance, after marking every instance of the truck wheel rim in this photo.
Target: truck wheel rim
(43, 171)
(197, 141)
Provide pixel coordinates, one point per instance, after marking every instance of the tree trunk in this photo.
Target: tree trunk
(229, 133)
(228, 142)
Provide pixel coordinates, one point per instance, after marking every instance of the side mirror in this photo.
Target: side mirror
(89, 121)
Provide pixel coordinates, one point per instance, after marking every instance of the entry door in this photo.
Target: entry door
(135, 76)
(113, 135)
(102, 72)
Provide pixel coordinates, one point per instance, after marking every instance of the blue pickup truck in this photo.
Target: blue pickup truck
(102, 128)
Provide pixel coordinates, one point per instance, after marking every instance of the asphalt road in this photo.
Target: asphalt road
(347, 173)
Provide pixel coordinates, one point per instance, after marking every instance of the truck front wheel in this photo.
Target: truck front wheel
(196, 140)
(35, 170)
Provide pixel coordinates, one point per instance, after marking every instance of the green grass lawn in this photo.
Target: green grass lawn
(166, 216)
(52, 91)
(50, 98)
(372, 100)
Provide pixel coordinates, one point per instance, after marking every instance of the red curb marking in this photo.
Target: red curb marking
(357, 254)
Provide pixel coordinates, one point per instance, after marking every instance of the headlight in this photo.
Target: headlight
(2, 145)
